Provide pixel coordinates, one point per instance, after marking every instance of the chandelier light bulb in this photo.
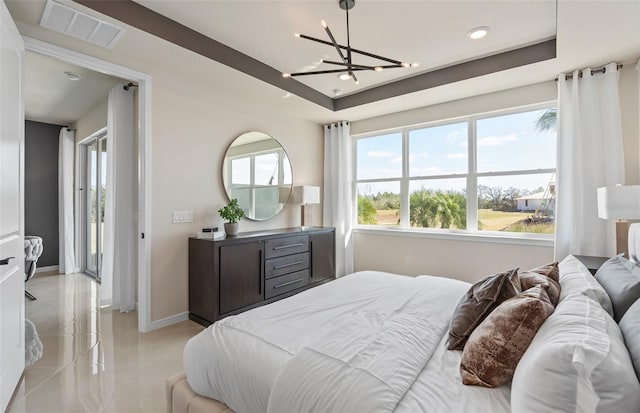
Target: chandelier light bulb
(297, 35)
(405, 65)
(324, 23)
(415, 64)
(378, 69)
(286, 75)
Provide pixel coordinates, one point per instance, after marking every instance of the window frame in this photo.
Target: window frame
(471, 177)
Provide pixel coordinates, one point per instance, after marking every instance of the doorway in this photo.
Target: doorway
(94, 177)
(144, 164)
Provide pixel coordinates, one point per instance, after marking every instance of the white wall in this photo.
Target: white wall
(468, 259)
(192, 130)
(92, 121)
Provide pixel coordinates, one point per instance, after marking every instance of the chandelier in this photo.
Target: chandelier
(348, 67)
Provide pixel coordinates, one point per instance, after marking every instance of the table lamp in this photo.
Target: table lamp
(619, 203)
(306, 195)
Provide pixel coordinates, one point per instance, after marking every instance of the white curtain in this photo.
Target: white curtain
(338, 192)
(589, 156)
(66, 227)
(119, 262)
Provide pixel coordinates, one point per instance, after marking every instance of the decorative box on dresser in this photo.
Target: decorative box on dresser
(234, 274)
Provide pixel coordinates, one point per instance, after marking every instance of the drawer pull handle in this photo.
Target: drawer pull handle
(288, 283)
(278, 267)
(282, 247)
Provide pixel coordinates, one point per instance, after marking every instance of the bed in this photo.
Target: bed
(374, 341)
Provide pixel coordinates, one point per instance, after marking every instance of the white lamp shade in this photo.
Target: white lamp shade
(619, 202)
(306, 194)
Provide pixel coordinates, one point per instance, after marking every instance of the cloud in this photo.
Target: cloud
(380, 154)
(432, 170)
(452, 136)
(459, 155)
(497, 140)
(414, 156)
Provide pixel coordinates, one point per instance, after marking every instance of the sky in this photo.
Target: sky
(504, 143)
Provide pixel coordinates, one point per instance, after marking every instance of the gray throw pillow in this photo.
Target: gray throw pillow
(630, 327)
(621, 280)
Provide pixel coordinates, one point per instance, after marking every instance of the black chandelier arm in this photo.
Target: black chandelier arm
(334, 43)
(319, 72)
(362, 67)
(386, 59)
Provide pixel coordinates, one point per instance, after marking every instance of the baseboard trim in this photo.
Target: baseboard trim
(167, 321)
(47, 269)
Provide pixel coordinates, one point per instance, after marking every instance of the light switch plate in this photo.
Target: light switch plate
(182, 217)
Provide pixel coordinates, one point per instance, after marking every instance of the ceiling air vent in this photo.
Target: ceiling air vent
(69, 21)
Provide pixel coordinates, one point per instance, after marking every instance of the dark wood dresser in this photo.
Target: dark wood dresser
(237, 273)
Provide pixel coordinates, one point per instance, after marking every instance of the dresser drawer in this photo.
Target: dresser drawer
(276, 267)
(285, 283)
(286, 246)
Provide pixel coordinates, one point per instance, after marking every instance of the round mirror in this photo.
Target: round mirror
(257, 172)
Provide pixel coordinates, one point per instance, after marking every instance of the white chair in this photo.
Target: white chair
(32, 251)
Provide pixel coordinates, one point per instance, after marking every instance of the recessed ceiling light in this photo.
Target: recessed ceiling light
(286, 95)
(478, 32)
(72, 76)
(344, 76)
(337, 92)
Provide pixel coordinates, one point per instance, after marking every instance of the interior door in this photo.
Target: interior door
(11, 208)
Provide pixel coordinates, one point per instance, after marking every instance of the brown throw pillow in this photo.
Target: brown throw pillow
(478, 302)
(530, 279)
(496, 346)
(550, 270)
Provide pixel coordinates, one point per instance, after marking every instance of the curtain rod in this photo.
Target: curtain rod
(128, 86)
(338, 123)
(593, 72)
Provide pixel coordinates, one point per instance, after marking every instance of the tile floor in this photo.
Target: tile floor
(95, 360)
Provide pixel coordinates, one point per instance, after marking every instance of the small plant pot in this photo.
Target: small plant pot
(231, 228)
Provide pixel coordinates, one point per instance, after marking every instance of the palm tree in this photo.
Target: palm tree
(366, 211)
(547, 121)
(430, 209)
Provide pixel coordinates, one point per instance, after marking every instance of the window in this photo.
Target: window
(478, 174)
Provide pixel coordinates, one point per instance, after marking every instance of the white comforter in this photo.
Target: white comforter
(369, 341)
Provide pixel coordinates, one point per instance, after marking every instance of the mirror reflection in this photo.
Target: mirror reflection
(257, 171)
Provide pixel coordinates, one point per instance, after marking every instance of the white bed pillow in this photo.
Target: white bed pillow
(577, 362)
(576, 278)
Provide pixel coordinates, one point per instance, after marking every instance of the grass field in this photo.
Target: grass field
(490, 221)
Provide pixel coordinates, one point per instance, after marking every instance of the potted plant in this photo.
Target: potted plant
(232, 214)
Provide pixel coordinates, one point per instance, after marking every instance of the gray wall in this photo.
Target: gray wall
(41, 187)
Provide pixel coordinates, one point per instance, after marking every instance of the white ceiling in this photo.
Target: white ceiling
(433, 33)
(49, 95)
